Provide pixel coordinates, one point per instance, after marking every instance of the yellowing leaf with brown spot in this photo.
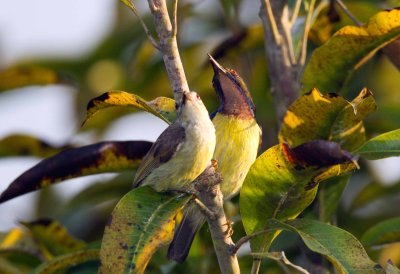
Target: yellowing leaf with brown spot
(330, 117)
(161, 107)
(142, 221)
(347, 49)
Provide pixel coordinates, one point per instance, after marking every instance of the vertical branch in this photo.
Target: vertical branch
(209, 193)
(282, 71)
(208, 188)
(169, 47)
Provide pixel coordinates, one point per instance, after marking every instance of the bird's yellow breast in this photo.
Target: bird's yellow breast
(236, 150)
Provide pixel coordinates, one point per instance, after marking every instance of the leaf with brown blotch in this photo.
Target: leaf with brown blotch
(71, 163)
(142, 221)
(161, 107)
(315, 116)
(331, 64)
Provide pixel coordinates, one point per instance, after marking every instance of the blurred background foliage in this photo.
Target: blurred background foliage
(232, 33)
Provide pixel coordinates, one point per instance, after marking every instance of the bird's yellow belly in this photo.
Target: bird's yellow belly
(236, 150)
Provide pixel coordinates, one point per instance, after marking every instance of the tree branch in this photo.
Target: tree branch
(284, 85)
(209, 193)
(169, 48)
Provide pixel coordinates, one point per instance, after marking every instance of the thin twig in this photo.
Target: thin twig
(247, 238)
(272, 22)
(295, 12)
(280, 257)
(132, 7)
(348, 13)
(175, 19)
(307, 26)
(287, 28)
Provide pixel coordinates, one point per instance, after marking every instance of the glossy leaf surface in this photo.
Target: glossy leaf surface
(382, 146)
(340, 247)
(282, 183)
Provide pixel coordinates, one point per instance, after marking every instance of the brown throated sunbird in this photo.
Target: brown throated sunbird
(182, 151)
(238, 140)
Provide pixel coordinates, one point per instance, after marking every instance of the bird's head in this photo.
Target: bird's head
(232, 92)
(191, 107)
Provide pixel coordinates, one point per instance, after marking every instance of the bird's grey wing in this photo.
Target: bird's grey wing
(161, 152)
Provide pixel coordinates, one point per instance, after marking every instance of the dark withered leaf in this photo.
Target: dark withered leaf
(92, 159)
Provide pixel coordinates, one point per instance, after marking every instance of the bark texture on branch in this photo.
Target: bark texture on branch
(169, 47)
(209, 193)
(283, 71)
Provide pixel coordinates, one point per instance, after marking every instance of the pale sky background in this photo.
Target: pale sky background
(53, 29)
(69, 29)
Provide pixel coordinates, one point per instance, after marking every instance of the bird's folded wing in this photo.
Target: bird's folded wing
(161, 152)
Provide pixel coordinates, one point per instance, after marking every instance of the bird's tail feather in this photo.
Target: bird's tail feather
(191, 222)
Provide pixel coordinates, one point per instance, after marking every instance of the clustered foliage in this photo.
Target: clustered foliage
(300, 196)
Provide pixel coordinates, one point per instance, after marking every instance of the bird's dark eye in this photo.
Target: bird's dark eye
(198, 96)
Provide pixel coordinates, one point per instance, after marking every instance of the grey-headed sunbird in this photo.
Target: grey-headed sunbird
(238, 140)
(182, 151)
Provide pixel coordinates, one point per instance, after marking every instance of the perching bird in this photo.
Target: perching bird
(183, 151)
(238, 139)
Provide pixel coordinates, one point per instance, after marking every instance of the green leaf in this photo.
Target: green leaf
(53, 238)
(372, 192)
(385, 232)
(87, 160)
(330, 65)
(161, 107)
(27, 75)
(329, 195)
(328, 117)
(282, 183)
(19, 145)
(66, 261)
(339, 246)
(142, 221)
(382, 146)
